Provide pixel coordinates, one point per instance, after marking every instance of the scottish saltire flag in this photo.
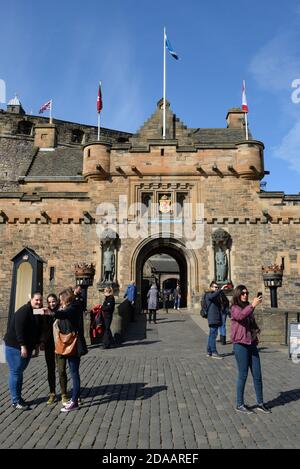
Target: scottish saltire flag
(45, 106)
(244, 99)
(170, 48)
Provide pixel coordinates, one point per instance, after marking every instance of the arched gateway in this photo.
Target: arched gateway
(195, 181)
(175, 248)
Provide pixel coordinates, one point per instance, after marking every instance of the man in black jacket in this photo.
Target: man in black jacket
(21, 339)
(107, 314)
(214, 317)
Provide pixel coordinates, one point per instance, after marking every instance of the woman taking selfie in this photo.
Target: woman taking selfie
(71, 310)
(244, 331)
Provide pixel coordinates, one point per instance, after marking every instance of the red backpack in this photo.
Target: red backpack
(97, 324)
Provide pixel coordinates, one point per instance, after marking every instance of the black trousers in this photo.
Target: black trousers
(107, 337)
(152, 314)
(50, 362)
(132, 311)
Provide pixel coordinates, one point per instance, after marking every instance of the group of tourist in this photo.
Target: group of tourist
(33, 328)
(154, 296)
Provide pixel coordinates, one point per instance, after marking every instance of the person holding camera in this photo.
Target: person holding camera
(244, 336)
(70, 320)
(214, 317)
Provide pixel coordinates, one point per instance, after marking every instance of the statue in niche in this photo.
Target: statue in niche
(221, 265)
(108, 264)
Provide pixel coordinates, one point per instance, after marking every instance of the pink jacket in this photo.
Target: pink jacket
(240, 325)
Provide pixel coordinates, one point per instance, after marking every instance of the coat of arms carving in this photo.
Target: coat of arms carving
(165, 204)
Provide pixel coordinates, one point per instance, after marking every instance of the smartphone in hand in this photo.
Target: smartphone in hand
(259, 294)
(40, 311)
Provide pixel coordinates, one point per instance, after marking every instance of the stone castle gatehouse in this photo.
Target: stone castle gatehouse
(194, 196)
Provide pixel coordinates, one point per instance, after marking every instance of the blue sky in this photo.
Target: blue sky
(61, 49)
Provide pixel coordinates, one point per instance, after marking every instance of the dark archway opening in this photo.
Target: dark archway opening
(154, 248)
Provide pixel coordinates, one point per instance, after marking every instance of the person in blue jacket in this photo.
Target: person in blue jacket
(131, 294)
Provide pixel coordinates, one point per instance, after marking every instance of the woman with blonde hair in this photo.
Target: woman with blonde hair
(70, 310)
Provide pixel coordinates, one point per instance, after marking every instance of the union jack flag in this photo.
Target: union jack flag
(45, 106)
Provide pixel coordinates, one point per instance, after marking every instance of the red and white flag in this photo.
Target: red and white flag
(45, 106)
(244, 99)
(99, 99)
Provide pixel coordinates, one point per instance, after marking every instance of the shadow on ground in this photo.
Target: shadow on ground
(284, 398)
(120, 392)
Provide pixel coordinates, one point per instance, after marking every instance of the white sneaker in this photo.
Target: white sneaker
(21, 406)
(217, 356)
(244, 410)
(71, 406)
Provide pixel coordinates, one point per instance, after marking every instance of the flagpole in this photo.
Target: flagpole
(164, 88)
(246, 126)
(245, 107)
(50, 120)
(99, 91)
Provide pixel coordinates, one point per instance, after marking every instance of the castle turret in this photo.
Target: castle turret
(96, 160)
(249, 159)
(45, 136)
(15, 107)
(235, 118)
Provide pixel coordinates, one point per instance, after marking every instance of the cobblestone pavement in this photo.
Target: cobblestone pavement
(157, 392)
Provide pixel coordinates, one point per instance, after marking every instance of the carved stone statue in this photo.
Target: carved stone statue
(221, 265)
(108, 264)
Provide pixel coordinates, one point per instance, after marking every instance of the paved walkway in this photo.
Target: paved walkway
(158, 392)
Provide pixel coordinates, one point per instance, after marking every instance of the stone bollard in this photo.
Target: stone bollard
(120, 319)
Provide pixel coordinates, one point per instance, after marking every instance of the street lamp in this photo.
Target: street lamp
(272, 277)
(84, 275)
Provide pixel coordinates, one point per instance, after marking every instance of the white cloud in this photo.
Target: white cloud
(275, 67)
(277, 63)
(2, 91)
(289, 148)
